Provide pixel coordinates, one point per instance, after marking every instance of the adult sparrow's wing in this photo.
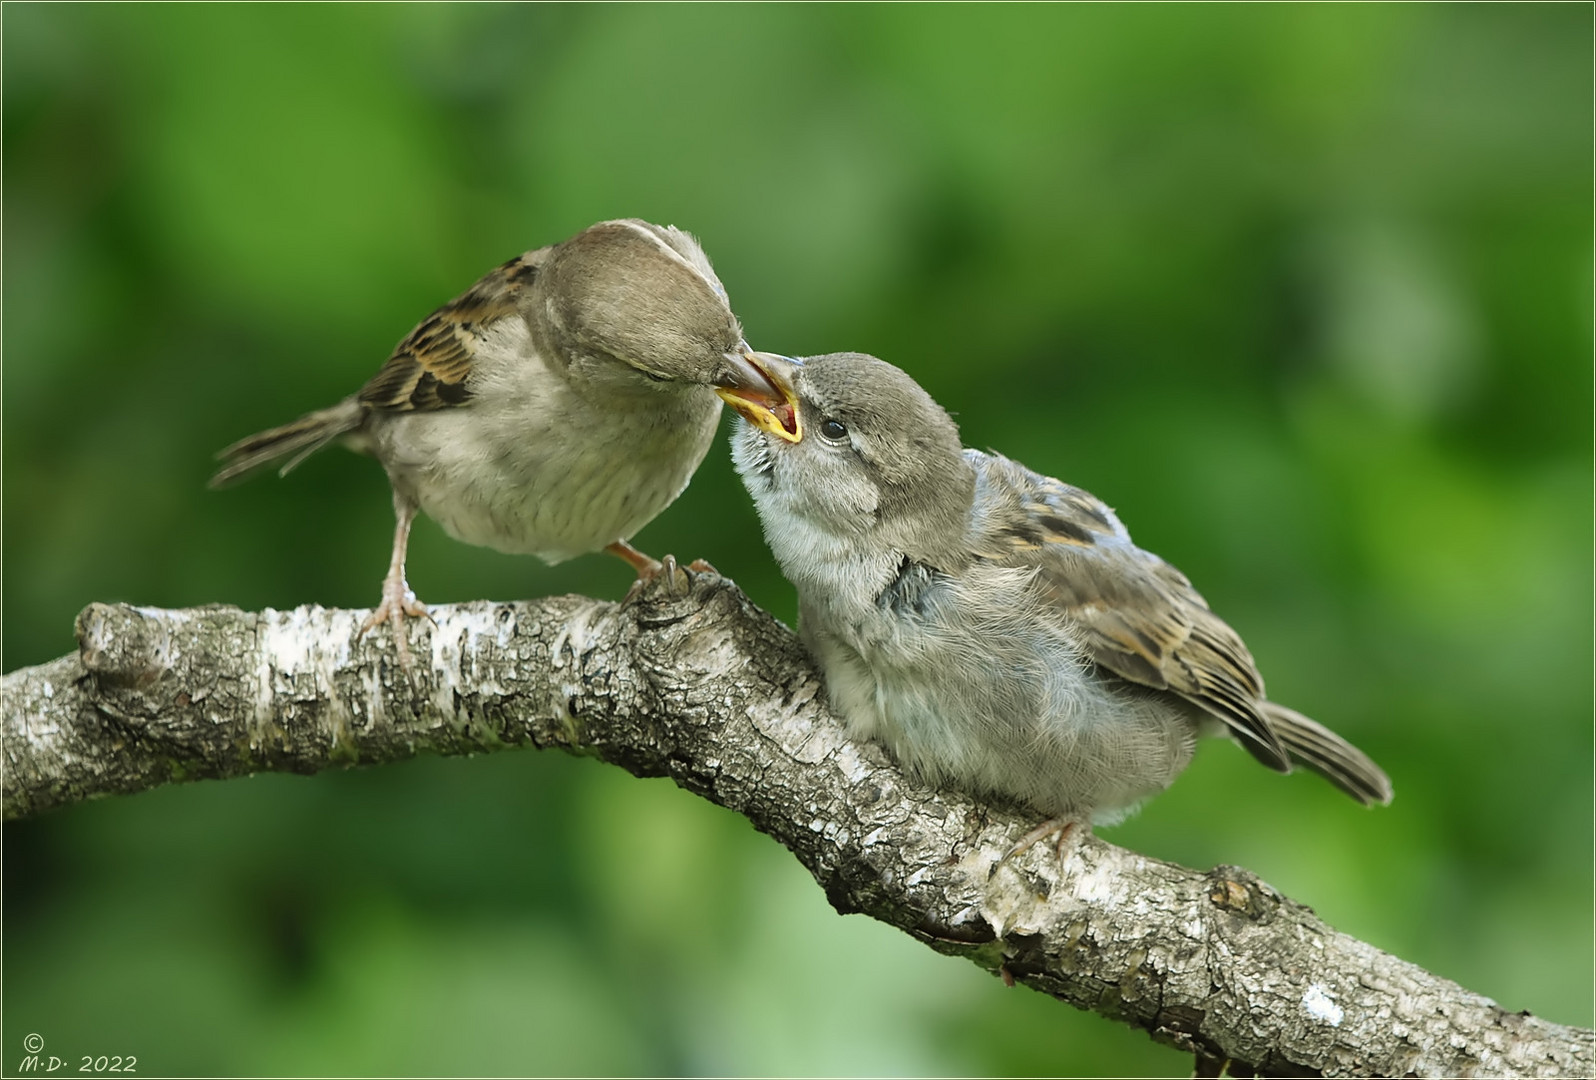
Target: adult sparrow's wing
(429, 368)
(1135, 615)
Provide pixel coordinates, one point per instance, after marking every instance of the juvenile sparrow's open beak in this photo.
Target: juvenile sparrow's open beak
(759, 386)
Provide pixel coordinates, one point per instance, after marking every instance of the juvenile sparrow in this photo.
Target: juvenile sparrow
(552, 409)
(996, 629)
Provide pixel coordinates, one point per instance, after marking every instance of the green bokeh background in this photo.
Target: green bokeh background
(1304, 292)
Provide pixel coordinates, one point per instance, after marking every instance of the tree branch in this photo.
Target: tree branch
(709, 690)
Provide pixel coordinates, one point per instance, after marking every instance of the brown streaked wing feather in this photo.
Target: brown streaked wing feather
(429, 368)
(1137, 615)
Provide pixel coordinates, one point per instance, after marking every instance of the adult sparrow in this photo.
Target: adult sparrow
(996, 629)
(552, 409)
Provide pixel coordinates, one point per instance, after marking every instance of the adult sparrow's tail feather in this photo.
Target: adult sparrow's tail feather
(295, 441)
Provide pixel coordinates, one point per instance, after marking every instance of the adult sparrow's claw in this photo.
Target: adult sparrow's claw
(398, 601)
(667, 575)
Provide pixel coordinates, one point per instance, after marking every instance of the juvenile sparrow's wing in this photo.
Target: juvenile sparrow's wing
(1136, 615)
(428, 369)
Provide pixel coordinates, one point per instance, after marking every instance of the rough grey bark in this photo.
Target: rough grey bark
(711, 691)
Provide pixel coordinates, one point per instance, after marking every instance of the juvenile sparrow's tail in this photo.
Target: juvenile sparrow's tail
(1329, 755)
(295, 441)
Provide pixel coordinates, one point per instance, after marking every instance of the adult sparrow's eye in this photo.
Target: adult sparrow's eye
(835, 430)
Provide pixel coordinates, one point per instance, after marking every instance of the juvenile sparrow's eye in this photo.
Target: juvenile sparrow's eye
(835, 430)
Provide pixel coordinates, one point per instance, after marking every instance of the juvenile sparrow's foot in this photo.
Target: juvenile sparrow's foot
(398, 601)
(1063, 828)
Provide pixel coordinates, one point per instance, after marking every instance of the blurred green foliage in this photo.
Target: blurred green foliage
(1303, 291)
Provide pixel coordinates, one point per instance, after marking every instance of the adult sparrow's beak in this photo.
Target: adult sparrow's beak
(759, 386)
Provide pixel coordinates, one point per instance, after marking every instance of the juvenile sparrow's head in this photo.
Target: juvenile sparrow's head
(851, 448)
(645, 296)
